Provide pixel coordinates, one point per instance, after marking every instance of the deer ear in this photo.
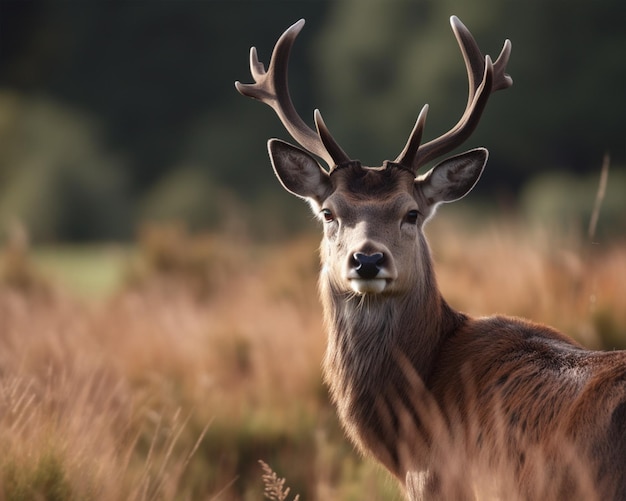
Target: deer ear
(298, 172)
(453, 178)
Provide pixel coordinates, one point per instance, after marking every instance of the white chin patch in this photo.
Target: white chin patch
(372, 286)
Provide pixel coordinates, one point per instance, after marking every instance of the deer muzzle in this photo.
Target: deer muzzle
(369, 273)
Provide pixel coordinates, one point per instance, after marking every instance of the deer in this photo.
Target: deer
(408, 374)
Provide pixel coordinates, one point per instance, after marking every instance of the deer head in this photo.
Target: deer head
(373, 216)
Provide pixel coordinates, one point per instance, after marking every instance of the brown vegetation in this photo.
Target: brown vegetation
(168, 391)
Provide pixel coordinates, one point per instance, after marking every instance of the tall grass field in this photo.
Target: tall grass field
(168, 370)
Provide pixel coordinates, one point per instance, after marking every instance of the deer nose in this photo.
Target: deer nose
(367, 265)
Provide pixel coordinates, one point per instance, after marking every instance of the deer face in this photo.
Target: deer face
(373, 217)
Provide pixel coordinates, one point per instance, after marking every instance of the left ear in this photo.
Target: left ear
(453, 178)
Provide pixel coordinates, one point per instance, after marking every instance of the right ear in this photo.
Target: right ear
(298, 171)
(453, 178)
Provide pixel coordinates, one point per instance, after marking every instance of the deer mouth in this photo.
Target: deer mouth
(369, 285)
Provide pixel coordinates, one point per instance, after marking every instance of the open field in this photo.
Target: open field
(168, 371)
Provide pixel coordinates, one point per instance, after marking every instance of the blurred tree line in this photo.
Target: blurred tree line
(115, 112)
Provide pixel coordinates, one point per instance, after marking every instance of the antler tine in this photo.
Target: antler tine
(483, 79)
(412, 146)
(271, 88)
(475, 61)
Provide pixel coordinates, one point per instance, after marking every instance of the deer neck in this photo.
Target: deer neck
(365, 335)
(365, 331)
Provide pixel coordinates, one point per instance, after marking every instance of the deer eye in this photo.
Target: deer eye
(411, 216)
(327, 215)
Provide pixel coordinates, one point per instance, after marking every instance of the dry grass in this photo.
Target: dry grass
(565, 281)
(274, 486)
(177, 385)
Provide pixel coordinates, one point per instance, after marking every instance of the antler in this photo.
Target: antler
(271, 88)
(484, 78)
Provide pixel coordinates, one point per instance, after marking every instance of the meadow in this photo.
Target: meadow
(166, 370)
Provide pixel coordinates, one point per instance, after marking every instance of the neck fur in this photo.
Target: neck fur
(365, 334)
(364, 331)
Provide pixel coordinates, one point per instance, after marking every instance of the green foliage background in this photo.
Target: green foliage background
(113, 113)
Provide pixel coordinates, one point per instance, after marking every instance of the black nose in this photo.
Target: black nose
(368, 265)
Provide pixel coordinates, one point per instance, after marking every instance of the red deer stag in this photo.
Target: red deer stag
(410, 376)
